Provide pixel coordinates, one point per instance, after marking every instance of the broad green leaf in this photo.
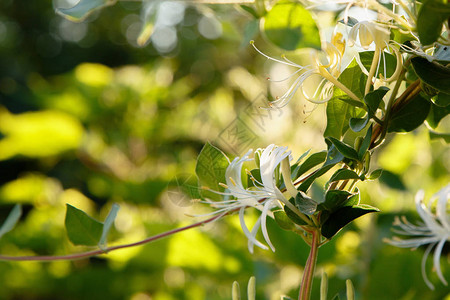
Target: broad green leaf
(344, 149)
(365, 144)
(433, 74)
(430, 20)
(339, 108)
(344, 215)
(107, 225)
(392, 180)
(409, 116)
(389, 60)
(375, 174)
(210, 169)
(312, 161)
(83, 9)
(290, 26)
(334, 199)
(436, 114)
(11, 220)
(305, 205)
(283, 220)
(81, 228)
(344, 174)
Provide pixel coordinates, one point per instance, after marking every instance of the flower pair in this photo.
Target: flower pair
(264, 196)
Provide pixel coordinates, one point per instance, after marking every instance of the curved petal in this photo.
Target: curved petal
(423, 264)
(249, 235)
(263, 216)
(437, 257)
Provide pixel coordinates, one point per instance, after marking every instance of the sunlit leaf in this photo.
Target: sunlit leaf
(290, 26)
(344, 149)
(210, 169)
(11, 220)
(340, 112)
(283, 220)
(81, 228)
(430, 20)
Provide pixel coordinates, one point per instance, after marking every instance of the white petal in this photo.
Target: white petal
(248, 233)
(267, 206)
(436, 258)
(424, 261)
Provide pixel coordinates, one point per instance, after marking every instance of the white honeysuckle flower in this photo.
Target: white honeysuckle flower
(264, 196)
(434, 231)
(326, 64)
(368, 33)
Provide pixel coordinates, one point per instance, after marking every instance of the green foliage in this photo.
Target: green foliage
(290, 26)
(346, 150)
(210, 169)
(283, 220)
(344, 215)
(410, 116)
(432, 73)
(339, 111)
(81, 228)
(432, 15)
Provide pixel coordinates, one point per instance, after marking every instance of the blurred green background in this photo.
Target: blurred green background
(89, 118)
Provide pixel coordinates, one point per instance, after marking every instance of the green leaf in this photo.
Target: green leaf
(11, 220)
(436, 114)
(292, 215)
(312, 161)
(441, 100)
(375, 174)
(283, 220)
(344, 149)
(344, 215)
(358, 124)
(344, 174)
(81, 228)
(373, 100)
(432, 73)
(392, 180)
(210, 169)
(334, 199)
(430, 20)
(365, 144)
(305, 205)
(83, 9)
(107, 225)
(290, 26)
(340, 108)
(366, 58)
(409, 116)
(333, 154)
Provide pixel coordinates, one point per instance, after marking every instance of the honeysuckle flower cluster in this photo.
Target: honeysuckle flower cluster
(434, 231)
(264, 196)
(327, 64)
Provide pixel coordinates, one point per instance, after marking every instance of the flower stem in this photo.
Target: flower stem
(373, 68)
(308, 273)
